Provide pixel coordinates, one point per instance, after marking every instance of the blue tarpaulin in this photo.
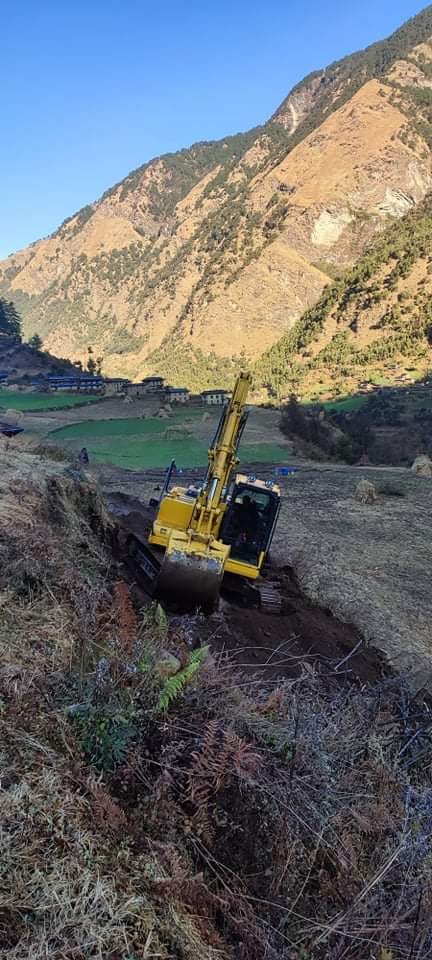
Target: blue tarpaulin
(8, 430)
(285, 471)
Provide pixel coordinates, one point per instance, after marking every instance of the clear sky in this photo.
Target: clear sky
(90, 89)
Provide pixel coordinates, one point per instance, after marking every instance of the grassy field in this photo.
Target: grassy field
(33, 402)
(345, 404)
(138, 444)
(416, 397)
(128, 427)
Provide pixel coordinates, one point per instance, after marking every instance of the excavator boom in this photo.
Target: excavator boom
(195, 558)
(221, 531)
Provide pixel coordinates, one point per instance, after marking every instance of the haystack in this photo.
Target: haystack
(422, 466)
(365, 492)
(13, 416)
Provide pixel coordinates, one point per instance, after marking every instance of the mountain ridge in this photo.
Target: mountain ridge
(221, 247)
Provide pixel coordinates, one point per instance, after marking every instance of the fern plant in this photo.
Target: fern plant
(105, 732)
(175, 685)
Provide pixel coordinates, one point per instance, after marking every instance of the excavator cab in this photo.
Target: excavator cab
(249, 523)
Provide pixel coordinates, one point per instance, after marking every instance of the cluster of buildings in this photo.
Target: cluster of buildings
(149, 386)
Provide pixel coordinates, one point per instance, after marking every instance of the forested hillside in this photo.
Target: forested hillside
(373, 322)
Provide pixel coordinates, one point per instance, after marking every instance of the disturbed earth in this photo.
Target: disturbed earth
(354, 576)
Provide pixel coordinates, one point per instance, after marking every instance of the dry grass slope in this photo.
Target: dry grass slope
(236, 822)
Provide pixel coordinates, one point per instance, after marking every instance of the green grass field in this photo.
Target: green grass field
(346, 404)
(139, 444)
(14, 400)
(133, 426)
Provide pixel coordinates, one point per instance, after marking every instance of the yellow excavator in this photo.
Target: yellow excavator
(218, 534)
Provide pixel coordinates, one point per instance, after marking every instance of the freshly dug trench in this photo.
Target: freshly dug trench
(271, 646)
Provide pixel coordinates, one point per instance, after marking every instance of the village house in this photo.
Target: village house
(115, 385)
(215, 397)
(153, 384)
(146, 387)
(80, 382)
(177, 394)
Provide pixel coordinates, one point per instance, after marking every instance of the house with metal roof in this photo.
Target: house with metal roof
(146, 387)
(177, 394)
(78, 382)
(153, 384)
(115, 385)
(215, 397)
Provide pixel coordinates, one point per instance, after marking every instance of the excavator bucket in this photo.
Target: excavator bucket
(192, 572)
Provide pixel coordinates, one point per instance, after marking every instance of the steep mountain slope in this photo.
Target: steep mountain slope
(374, 323)
(217, 250)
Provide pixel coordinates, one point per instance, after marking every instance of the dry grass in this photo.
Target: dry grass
(242, 823)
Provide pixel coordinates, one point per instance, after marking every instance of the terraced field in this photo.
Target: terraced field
(34, 402)
(345, 404)
(136, 444)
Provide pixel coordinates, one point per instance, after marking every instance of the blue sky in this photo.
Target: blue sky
(90, 90)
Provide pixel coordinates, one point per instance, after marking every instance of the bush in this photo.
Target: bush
(389, 489)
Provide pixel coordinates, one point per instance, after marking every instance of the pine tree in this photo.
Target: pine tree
(91, 362)
(10, 321)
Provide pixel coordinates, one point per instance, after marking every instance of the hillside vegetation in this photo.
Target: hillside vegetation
(371, 324)
(153, 798)
(209, 255)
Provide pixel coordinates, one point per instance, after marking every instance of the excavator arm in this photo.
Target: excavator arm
(195, 557)
(208, 512)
